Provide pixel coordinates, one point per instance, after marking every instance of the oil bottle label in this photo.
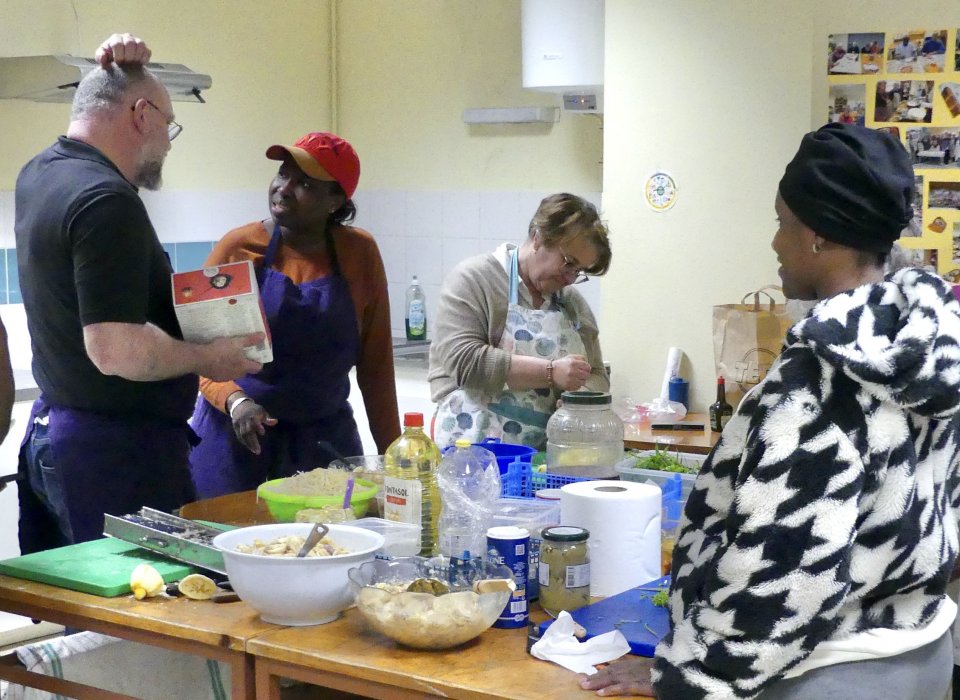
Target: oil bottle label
(402, 499)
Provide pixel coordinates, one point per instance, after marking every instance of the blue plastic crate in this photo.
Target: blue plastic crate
(520, 481)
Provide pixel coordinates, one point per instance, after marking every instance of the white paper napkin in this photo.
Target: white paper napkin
(560, 646)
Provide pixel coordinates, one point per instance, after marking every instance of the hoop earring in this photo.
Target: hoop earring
(816, 248)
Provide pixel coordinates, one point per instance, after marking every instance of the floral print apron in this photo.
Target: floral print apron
(517, 417)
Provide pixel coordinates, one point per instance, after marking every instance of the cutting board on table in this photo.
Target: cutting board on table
(632, 612)
(101, 567)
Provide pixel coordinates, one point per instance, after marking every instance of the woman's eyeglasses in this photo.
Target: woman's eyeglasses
(571, 265)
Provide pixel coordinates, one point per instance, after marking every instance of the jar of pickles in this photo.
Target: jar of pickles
(564, 569)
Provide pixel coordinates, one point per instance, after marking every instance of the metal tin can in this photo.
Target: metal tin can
(510, 545)
(564, 569)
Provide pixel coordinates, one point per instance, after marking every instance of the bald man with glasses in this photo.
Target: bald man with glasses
(108, 433)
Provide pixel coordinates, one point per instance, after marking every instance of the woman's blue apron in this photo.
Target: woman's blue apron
(316, 341)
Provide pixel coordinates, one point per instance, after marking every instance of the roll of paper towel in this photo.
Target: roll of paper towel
(623, 518)
(674, 355)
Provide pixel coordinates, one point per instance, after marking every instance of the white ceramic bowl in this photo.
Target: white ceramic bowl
(292, 591)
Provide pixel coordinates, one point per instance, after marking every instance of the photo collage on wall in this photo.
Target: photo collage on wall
(907, 82)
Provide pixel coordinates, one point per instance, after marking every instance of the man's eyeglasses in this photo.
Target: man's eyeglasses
(173, 129)
(571, 265)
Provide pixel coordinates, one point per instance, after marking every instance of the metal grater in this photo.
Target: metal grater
(178, 538)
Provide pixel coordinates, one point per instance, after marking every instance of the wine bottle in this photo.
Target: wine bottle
(720, 410)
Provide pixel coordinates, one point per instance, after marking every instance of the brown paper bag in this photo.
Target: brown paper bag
(747, 337)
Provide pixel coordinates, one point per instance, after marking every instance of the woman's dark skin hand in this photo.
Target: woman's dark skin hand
(250, 421)
(629, 675)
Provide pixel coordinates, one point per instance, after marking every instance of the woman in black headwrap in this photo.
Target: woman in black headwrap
(819, 539)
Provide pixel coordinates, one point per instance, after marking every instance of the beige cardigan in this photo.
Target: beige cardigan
(471, 316)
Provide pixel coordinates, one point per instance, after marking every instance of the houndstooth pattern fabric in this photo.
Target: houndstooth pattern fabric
(827, 506)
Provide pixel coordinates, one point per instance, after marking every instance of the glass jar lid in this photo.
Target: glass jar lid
(565, 533)
(586, 398)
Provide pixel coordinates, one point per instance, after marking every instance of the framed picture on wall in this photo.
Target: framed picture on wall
(917, 51)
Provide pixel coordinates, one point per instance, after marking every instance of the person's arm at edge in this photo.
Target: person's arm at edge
(7, 387)
(376, 378)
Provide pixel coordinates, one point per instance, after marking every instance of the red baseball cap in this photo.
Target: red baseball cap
(323, 156)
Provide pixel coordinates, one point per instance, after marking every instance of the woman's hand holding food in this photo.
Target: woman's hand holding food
(250, 421)
(571, 372)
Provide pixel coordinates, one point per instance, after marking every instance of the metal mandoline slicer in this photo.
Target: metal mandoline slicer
(178, 538)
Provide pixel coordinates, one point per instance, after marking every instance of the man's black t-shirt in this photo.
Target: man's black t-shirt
(87, 253)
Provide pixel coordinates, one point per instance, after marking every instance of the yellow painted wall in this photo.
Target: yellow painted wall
(719, 95)
(269, 62)
(407, 70)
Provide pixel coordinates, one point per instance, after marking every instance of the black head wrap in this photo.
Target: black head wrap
(851, 185)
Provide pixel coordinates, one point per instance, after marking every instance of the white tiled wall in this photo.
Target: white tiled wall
(428, 233)
(419, 233)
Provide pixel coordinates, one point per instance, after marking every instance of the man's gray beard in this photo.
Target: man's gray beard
(149, 175)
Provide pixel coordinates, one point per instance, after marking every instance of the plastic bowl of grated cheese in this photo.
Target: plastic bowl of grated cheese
(314, 489)
(448, 606)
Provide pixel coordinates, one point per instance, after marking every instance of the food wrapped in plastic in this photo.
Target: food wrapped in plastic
(477, 593)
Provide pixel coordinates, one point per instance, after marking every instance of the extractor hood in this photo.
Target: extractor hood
(55, 78)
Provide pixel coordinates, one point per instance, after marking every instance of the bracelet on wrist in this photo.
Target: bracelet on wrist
(236, 402)
(550, 373)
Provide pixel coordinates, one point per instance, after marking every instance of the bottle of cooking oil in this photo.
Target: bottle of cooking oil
(410, 484)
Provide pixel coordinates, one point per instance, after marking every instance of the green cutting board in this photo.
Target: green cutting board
(101, 567)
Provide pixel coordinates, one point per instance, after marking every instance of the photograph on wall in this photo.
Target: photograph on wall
(950, 93)
(855, 54)
(956, 244)
(944, 195)
(913, 229)
(921, 257)
(956, 61)
(917, 51)
(903, 101)
(894, 131)
(848, 103)
(934, 147)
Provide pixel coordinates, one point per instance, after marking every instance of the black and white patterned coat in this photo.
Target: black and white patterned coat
(827, 506)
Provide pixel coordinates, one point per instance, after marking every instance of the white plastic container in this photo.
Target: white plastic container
(629, 473)
(399, 539)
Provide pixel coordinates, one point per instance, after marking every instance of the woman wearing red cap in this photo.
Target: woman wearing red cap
(324, 290)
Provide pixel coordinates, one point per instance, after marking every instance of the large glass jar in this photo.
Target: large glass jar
(564, 569)
(584, 432)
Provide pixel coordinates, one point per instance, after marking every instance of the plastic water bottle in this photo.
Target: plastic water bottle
(409, 482)
(469, 483)
(416, 312)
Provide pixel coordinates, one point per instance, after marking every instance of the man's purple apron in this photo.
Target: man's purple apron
(316, 341)
(103, 464)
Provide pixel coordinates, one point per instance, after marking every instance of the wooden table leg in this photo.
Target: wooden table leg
(242, 686)
(268, 683)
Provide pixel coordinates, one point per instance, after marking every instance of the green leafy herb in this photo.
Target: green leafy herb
(662, 461)
(661, 598)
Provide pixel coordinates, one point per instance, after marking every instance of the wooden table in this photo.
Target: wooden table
(343, 656)
(700, 442)
(346, 656)
(205, 629)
